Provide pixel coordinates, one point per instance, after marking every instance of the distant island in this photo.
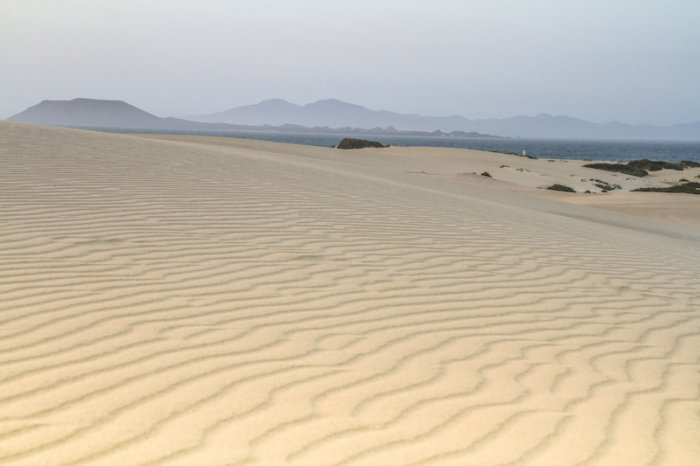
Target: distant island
(335, 116)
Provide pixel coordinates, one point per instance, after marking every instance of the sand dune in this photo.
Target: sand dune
(183, 300)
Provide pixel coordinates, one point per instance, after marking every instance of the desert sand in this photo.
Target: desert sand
(188, 300)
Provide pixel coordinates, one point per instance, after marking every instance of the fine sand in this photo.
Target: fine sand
(203, 301)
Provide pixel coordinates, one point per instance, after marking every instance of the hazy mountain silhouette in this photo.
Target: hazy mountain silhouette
(336, 114)
(274, 112)
(87, 112)
(321, 116)
(331, 113)
(95, 113)
(325, 115)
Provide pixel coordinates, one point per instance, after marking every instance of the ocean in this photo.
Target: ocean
(605, 150)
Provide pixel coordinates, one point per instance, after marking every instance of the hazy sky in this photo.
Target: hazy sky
(600, 60)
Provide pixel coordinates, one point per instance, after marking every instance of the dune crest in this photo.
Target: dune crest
(182, 300)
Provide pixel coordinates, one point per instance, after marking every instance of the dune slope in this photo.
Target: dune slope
(198, 301)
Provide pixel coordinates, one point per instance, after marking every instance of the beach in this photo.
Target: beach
(170, 299)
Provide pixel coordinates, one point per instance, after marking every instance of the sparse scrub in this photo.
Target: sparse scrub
(689, 188)
(618, 167)
(561, 187)
(654, 165)
(605, 186)
(642, 167)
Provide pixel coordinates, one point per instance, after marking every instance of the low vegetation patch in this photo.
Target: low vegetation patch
(561, 187)
(605, 186)
(486, 174)
(350, 143)
(642, 167)
(690, 188)
(618, 167)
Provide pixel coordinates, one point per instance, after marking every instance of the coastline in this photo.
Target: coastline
(599, 150)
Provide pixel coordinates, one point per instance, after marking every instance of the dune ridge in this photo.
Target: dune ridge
(184, 300)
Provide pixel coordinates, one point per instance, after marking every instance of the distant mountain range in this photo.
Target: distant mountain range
(336, 116)
(121, 116)
(330, 113)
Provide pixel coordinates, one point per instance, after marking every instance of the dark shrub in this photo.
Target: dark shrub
(653, 165)
(561, 187)
(350, 143)
(605, 186)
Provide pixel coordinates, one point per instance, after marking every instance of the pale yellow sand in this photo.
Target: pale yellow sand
(201, 301)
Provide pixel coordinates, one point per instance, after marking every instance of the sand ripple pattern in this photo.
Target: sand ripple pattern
(180, 303)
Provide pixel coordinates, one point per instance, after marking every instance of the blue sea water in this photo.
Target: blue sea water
(608, 150)
(605, 150)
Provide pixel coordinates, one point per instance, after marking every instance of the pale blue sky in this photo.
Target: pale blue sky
(633, 61)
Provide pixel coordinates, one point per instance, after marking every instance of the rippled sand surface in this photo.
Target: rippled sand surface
(201, 301)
